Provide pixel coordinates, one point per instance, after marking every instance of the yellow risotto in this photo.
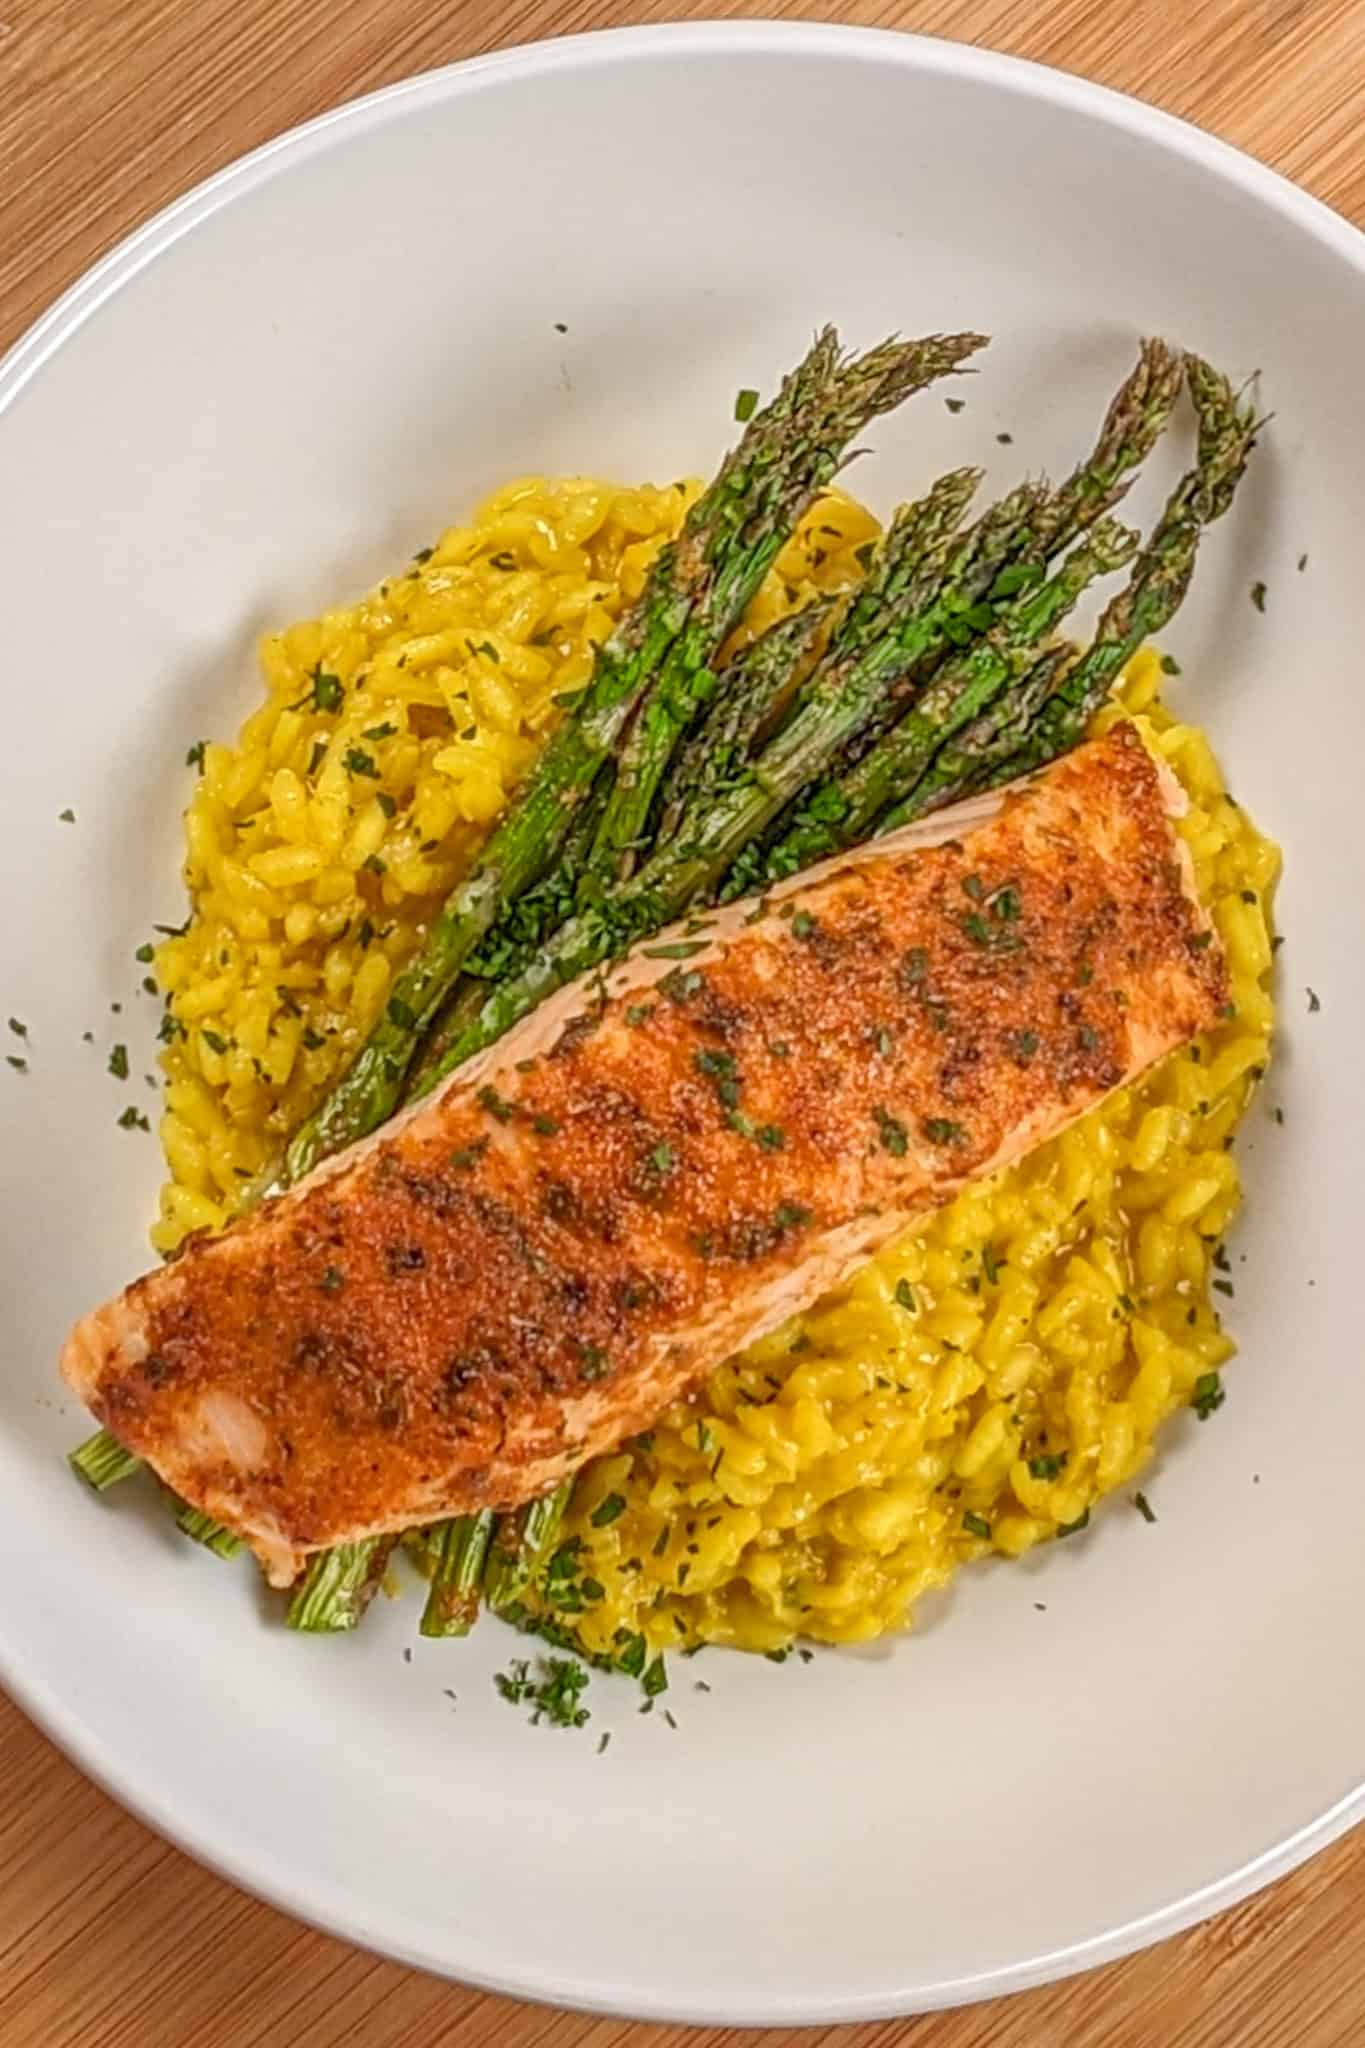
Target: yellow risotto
(980, 1385)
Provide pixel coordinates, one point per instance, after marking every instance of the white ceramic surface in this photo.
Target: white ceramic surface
(291, 380)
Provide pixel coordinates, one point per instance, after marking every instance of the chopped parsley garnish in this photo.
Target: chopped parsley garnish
(15, 1060)
(67, 817)
(554, 1696)
(1170, 666)
(905, 1295)
(1144, 1507)
(195, 756)
(771, 1137)
(892, 1132)
(545, 1126)
(1314, 1001)
(1209, 1395)
(1258, 595)
(681, 984)
(607, 1510)
(133, 1120)
(385, 731)
(991, 1264)
(145, 953)
(655, 1678)
(592, 1360)
(745, 404)
(1074, 1528)
(357, 762)
(333, 1280)
(719, 1067)
(976, 1525)
(955, 404)
(118, 1062)
(803, 924)
(20, 1030)
(497, 1105)
(214, 1040)
(1047, 1464)
(326, 691)
(940, 1130)
(790, 1216)
(679, 949)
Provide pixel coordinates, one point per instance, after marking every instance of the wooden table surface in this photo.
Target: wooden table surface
(109, 108)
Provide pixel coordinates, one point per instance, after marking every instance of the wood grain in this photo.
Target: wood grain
(109, 108)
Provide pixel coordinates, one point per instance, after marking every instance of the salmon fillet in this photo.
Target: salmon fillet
(658, 1166)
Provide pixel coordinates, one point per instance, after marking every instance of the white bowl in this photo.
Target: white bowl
(290, 380)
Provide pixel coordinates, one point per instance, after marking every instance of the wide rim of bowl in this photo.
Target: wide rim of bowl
(36, 1694)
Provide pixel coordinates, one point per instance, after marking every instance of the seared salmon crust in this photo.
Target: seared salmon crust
(657, 1167)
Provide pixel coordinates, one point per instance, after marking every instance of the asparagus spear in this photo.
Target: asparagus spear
(1153, 594)
(458, 1549)
(1134, 422)
(205, 1530)
(685, 681)
(101, 1461)
(843, 812)
(994, 734)
(890, 627)
(1017, 538)
(750, 686)
(753, 687)
(698, 589)
(521, 1542)
(339, 1585)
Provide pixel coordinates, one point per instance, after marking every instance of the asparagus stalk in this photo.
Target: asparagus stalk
(458, 1549)
(101, 1461)
(205, 1530)
(753, 688)
(993, 735)
(1150, 599)
(1132, 426)
(843, 812)
(699, 587)
(521, 1543)
(889, 627)
(750, 688)
(339, 1585)
(685, 680)
(1015, 540)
